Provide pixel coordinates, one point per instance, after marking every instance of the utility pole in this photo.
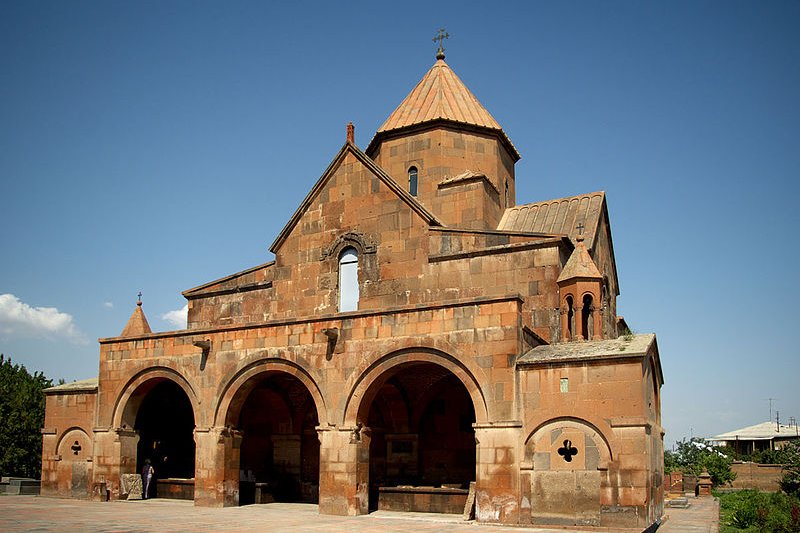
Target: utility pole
(770, 407)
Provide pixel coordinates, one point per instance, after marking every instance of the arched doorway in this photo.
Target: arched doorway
(279, 453)
(165, 425)
(422, 443)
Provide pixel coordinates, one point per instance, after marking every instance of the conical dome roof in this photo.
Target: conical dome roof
(137, 323)
(441, 96)
(579, 264)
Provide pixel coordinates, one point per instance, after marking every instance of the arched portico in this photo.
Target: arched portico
(270, 412)
(409, 420)
(154, 418)
(373, 375)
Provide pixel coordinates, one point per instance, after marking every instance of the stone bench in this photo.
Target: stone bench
(20, 486)
(680, 503)
(446, 500)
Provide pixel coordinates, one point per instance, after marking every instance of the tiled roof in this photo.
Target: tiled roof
(559, 216)
(440, 94)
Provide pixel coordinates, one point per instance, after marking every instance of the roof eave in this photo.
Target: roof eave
(380, 136)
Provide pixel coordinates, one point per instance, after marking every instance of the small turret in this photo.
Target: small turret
(580, 285)
(137, 323)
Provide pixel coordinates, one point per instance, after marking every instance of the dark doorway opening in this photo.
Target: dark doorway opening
(165, 424)
(422, 446)
(279, 455)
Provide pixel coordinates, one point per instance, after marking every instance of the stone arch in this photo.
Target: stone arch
(604, 448)
(368, 379)
(234, 386)
(569, 459)
(74, 433)
(362, 243)
(129, 400)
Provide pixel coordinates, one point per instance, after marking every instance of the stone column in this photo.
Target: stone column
(565, 336)
(497, 487)
(344, 471)
(597, 333)
(216, 478)
(114, 454)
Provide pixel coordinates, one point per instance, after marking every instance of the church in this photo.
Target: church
(420, 342)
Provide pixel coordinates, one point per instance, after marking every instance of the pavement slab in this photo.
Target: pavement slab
(35, 513)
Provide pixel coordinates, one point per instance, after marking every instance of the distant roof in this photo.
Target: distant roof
(625, 346)
(76, 386)
(561, 216)
(762, 431)
(441, 95)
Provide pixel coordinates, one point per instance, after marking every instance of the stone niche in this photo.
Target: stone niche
(568, 470)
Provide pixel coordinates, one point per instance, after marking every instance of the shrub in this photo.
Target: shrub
(695, 456)
(752, 510)
(790, 455)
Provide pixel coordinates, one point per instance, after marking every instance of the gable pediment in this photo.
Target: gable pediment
(351, 154)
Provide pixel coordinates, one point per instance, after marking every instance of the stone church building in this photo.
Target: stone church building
(419, 340)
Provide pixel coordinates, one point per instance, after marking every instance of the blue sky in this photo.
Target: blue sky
(156, 146)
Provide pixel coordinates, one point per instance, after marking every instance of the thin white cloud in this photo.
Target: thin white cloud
(109, 305)
(18, 319)
(178, 317)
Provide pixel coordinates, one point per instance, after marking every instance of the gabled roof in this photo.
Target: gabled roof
(622, 347)
(137, 323)
(561, 216)
(377, 171)
(84, 385)
(579, 264)
(762, 431)
(441, 96)
(229, 282)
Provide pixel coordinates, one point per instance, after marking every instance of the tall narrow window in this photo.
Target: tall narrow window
(506, 194)
(587, 324)
(412, 181)
(348, 280)
(570, 318)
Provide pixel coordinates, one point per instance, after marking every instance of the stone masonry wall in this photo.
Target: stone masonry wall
(69, 419)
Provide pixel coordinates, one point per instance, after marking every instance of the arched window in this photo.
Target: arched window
(348, 280)
(412, 181)
(570, 318)
(587, 324)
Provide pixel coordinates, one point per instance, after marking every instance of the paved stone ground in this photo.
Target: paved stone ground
(701, 516)
(32, 513)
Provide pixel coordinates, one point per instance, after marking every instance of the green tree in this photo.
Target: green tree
(695, 456)
(790, 455)
(21, 420)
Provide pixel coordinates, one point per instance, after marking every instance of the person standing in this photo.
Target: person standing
(147, 476)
